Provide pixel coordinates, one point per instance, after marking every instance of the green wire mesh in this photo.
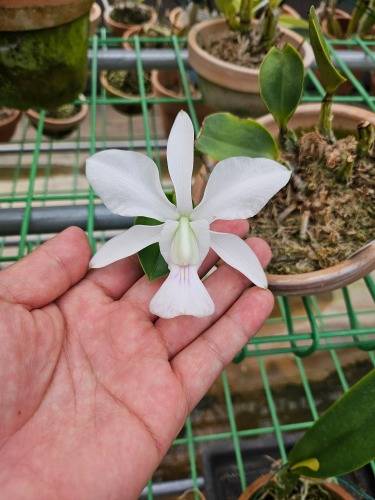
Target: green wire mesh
(323, 341)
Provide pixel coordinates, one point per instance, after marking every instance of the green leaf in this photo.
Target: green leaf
(151, 259)
(224, 135)
(331, 78)
(343, 438)
(281, 78)
(291, 22)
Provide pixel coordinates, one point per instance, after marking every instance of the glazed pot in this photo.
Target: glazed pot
(8, 125)
(126, 108)
(336, 492)
(118, 28)
(165, 83)
(59, 128)
(352, 269)
(226, 86)
(43, 61)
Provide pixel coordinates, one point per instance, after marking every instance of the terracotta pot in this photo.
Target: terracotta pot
(43, 61)
(164, 83)
(118, 29)
(289, 11)
(226, 86)
(8, 125)
(127, 108)
(59, 128)
(352, 269)
(335, 491)
(24, 15)
(95, 18)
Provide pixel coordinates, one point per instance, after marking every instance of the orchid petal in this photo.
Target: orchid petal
(126, 244)
(180, 156)
(129, 185)
(182, 293)
(239, 188)
(235, 252)
(201, 233)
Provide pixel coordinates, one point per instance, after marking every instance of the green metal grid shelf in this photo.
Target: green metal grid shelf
(275, 386)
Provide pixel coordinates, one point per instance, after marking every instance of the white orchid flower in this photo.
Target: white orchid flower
(238, 188)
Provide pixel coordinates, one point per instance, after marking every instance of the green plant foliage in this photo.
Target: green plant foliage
(223, 135)
(343, 438)
(331, 78)
(152, 261)
(281, 78)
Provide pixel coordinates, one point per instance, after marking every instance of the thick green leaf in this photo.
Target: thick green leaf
(331, 78)
(281, 82)
(224, 135)
(151, 259)
(343, 438)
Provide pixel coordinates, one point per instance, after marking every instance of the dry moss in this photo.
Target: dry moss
(315, 221)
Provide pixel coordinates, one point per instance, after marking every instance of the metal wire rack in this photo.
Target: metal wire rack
(311, 349)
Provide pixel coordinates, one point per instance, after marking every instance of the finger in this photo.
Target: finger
(143, 291)
(49, 271)
(199, 364)
(225, 285)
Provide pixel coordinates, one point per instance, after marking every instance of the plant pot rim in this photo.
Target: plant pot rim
(160, 87)
(117, 92)
(334, 489)
(233, 76)
(121, 27)
(24, 15)
(95, 15)
(14, 117)
(349, 270)
(61, 123)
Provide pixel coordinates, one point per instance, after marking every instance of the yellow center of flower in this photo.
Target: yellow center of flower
(184, 248)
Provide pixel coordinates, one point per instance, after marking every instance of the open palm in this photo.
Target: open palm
(93, 388)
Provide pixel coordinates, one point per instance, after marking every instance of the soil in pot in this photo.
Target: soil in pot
(318, 219)
(130, 14)
(239, 49)
(123, 15)
(125, 84)
(61, 121)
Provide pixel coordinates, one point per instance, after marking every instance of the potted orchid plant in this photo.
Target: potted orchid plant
(340, 24)
(340, 441)
(310, 224)
(226, 53)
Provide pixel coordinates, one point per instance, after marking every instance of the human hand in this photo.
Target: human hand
(93, 388)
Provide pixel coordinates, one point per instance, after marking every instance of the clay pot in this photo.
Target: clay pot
(118, 29)
(44, 58)
(95, 17)
(127, 108)
(335, 491)
(165, 83)
(352, 269)
(59, 128)
(38, 14)
(226, 86)
(8, 125)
